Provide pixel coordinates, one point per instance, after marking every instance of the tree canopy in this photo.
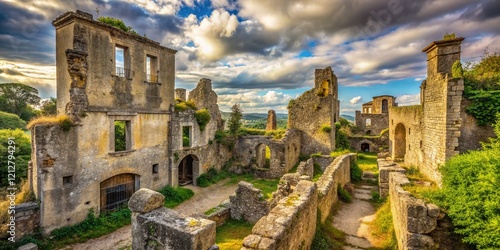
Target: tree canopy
(234, 122)
(49, 106)
(11, 121)
(15, 98)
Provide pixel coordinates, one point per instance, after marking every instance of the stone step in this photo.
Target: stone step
(362, 191)
(356, 241)
(363, 196)
(368, 175)
(366, 187)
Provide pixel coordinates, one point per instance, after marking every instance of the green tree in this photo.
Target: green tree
(16, 98)
(49, 107)
(22, 154)
(234, 122)
(11, 121)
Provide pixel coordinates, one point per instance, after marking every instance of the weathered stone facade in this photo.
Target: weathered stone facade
(27, 218)
(374, 116)
(370, 143)
(247, 203)
(314, 112)
(271, 120)
(157, 227)
(427, 135)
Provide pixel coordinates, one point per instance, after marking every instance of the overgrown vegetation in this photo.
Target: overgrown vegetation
(230, 235)
(11, 121)
(326, 128)
(339, 152)
(212, 176)
(267, 186)
(22, 154)
(368, 162)
(62, 121)
(181, 106)
(115, 22)
(120, 136)
(317, 171)
(449, 36)
(202, 117)
(383, 228)
(234, 122)
(343, 129)
(327, 237)
(356, 172)
(343, 194)
(175, 196)
(18, 98)
(23, 194)
(482, 87)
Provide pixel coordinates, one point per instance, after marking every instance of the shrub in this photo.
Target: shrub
(471, 195)
(210, 177)
(22, 154)
(456, 70)
(11, 121)
(202, 117)
(339, 152)
(343, 194)
(326, 128)
(175, 196)
(356, 172)
(383, 228)
(184, 105)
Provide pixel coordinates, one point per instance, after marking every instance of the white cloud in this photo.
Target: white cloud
(407, 100)
(251, 101)
(356, 100)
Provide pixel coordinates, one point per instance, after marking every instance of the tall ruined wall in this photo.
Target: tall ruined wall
(290, 225)
(471, 134)
(313, 110)
(247, 203)
(338, 172)
(377, 122)
(413, 146)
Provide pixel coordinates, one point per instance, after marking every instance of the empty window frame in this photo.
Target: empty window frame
(122, 135)
(186, 136)
(368, 122)
(152, 69)
(155, 168)
(122, 62)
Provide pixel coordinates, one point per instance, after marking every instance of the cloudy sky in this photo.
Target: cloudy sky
(262, 53)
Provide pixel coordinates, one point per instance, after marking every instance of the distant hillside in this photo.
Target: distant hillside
(258, 120)
(348, 117)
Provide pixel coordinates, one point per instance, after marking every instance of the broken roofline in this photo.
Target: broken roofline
(68, 17)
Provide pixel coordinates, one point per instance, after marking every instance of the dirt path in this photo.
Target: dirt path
(352, 219)
(203, 199)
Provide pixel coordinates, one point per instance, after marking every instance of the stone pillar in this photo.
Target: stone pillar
(271, 120)
(442, 54)
(157, 227)
(180, 94)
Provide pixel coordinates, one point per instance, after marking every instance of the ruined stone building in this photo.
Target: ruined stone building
(118, 90)
(428, 134)
(374, 116)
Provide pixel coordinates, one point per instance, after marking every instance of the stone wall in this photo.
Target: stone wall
(27, 219)
(378, 122)
(323, 161)
(339, 172)
(413, 219)
(157, 227)
(314, 109)
(247, 203)
(284, 153)
(376, 143)
(386, 167)
(289, 225)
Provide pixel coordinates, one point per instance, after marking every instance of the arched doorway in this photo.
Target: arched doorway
(400, 141)
(365, 147)
(117, 190)
(187, 169)
(385, 106)
(263, 156)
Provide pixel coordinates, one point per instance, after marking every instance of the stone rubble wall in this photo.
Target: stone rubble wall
(323, 160)
(339, 172)
(376, 143)
(247, 203)
(413, 219)
(386, 167)
(157, 227)
(27, 218)
(289, 225)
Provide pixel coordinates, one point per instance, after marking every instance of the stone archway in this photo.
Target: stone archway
(263, 156)
(365, 147)
(116, 191)
(400, 141)
(188, 170)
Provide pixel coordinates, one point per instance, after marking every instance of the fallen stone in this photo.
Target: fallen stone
(145, 201)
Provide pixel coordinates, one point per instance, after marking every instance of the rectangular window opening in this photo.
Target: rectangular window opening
(155, 168)
(186, 136)
(122, 136)
(152, 69)
(67, 180)
(122, 62)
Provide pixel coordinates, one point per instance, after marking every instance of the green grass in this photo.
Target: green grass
(368, 162)
(338, 153)
(230, 235)
(175, 196)
(268, 186)
(318, 172)
(327, 236)
(212, 176)
(382, 228)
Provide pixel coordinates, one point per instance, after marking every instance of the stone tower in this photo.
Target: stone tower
(271, 120)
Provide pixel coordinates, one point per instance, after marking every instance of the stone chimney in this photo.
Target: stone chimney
(442, 54)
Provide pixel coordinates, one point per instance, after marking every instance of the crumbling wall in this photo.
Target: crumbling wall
(157, 227)
(289, 225)
(271, 120)
(339, 172)
(378, 122)
(375, 143)
(313, 113)
(247, 203)
(27, 219)
(386, 167)
(411, 118)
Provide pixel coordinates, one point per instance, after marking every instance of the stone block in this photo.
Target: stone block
(433, 210)
(145, 200)
(252, 241)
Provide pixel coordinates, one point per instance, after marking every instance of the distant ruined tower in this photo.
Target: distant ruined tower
(271, 120)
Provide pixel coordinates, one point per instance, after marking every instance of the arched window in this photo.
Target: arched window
(385, 106)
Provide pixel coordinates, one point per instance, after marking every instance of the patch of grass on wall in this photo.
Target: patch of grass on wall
(230, 235)
(175, 196)
(61, 120)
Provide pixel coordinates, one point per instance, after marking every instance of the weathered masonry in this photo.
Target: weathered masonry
(428, 134)
(374, 116)
(117, 89)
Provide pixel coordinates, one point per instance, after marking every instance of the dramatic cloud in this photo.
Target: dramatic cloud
(356, 100)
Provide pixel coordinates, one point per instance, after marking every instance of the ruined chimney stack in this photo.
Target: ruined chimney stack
(442, 54)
